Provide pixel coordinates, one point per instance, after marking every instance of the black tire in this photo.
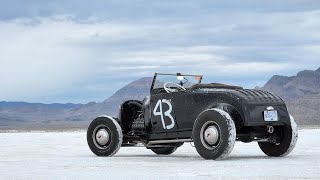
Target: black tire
(112, 127)
(164, 150)
(288, 140)
(225, 129)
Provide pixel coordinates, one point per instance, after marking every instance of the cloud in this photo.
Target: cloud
(143, 9)
(64, 58)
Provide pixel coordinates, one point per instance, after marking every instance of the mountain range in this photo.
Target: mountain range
(22, 115)
(300, 92)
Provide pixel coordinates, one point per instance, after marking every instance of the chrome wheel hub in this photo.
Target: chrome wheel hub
(102, 137)
(211, 135)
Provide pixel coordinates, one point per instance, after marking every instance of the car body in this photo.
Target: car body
(212, 116)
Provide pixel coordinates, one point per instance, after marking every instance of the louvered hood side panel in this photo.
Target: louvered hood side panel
(259, 96)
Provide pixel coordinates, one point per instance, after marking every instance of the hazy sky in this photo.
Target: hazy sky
(81, 51)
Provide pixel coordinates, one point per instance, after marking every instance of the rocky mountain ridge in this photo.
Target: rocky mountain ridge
(305, 83)
(300, 92)
(22, 115)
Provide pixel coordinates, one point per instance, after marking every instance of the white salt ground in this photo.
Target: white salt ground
(65, 155)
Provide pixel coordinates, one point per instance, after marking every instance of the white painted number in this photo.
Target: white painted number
(167, 113)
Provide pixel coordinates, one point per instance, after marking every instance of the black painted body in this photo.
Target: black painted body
(245, 106)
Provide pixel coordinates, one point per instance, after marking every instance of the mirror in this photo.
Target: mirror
(180, 78)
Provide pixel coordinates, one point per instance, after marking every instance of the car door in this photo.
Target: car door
(187, 106)
(162, 113)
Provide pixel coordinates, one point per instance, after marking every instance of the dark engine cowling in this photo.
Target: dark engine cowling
(130, 114)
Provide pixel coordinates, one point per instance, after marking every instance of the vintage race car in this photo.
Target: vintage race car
(213, 116)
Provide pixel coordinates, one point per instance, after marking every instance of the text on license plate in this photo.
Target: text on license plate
(271, 115)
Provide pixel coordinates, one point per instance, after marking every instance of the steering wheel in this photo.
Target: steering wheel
(169, 89)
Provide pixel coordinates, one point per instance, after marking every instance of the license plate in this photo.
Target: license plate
(271, 115)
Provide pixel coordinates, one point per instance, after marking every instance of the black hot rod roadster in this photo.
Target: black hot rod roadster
(213, 116)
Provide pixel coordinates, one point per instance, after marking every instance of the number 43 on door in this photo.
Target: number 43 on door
(166, 113)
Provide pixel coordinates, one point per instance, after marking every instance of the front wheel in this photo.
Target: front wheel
(214, 134)
(287, 140)
(104, 136)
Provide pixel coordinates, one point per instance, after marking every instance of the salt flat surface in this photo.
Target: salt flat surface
(65, 155)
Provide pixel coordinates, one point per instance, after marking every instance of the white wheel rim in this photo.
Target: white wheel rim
(101, 136)
(210, 135)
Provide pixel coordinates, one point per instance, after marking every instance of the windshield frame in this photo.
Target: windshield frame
(177, 74)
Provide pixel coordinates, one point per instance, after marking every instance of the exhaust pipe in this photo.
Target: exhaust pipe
(270, 129)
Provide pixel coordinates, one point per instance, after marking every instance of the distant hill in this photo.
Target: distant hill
(302, 94)
(22, 115)
(305, 83)
(135, 90)
(24, 111)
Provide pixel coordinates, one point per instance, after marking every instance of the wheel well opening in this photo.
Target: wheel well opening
(233, 112)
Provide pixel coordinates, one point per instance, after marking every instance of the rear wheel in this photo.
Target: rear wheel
(286, 141)
(104, 136)
(214, 134)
